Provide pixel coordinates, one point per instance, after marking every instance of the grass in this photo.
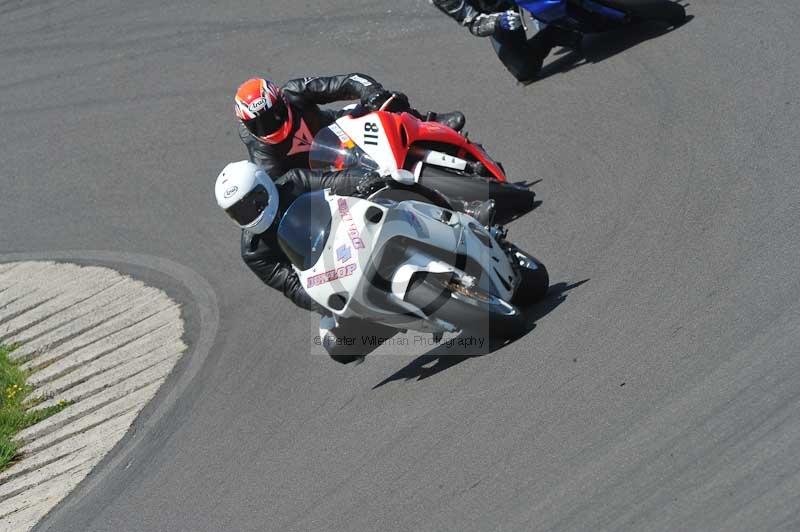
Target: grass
(13, 405)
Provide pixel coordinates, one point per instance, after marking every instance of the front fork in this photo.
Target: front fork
(537, 25)
(499, 234)
(522, 18)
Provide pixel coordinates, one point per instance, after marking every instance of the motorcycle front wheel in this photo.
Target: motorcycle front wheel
(535, 280)
(471, 309)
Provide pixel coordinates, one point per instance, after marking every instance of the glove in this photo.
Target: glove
(485, 25)
(510, 20)
(375, 99)
(369, 184)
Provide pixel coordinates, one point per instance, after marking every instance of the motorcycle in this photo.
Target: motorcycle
(407, 264)
(438, 156)
(593, 16)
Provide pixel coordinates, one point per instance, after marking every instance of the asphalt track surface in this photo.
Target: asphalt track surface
(659, 387)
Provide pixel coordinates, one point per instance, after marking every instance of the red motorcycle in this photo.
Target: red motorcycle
(439, 157)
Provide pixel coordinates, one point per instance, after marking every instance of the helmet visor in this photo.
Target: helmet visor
(269, 120)
(249, 208)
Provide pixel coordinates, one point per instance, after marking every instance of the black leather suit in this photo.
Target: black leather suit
(522, 57)
(261, 252)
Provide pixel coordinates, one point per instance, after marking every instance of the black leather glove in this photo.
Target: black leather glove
(370, 184)
(375, 100)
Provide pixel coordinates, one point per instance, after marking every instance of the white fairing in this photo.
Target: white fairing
(368, 133)
(347, 272)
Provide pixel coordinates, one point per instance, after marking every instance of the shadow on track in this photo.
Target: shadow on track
(444, 357)
(601, 46)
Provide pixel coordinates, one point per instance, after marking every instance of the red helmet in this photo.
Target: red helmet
(261, 106)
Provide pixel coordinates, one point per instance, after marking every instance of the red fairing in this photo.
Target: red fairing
(419, 131)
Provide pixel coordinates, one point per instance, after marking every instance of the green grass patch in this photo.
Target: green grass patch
(13, 404)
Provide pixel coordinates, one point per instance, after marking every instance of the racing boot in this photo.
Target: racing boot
(454, 120)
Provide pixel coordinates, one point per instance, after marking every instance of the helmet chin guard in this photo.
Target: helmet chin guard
(247, 194)
(283, 133)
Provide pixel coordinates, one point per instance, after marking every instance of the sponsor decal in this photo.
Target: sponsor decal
(257, 105)
(361, 80)
(231, 191)
(352, 230)
(302, 139)
(343, 254)
(339, 132)
(330, 275)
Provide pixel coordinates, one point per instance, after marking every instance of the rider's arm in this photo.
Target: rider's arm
(343, 183)
(327, 89)
(353, 182)
(273, 269)
(479, 24)
(459, 10)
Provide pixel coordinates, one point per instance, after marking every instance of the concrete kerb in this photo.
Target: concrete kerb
(111, 374)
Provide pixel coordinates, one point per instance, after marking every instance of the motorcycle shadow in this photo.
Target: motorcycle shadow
(601, 46)
(444, 357)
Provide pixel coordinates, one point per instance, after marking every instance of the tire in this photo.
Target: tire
(534, 284)
(346, 359)
(511, 201)
(471, 310)
(669, 12)
(664, 10)
(677, 15)
(356, 348)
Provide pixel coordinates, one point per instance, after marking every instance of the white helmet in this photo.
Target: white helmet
(248, 195)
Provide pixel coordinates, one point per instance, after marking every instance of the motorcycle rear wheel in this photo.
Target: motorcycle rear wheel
(664, 10)
(511, 201)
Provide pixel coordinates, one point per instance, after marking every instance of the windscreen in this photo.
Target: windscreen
(304, 229)
(332, 149)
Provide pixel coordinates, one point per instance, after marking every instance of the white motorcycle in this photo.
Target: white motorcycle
(405, 260)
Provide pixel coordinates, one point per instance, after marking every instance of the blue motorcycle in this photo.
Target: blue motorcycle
(593, 16)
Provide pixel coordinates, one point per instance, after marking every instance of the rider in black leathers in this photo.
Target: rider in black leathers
(259, 240)
(522, 57)
(261, 252)
(278, 125)
(284, 150)
(267, 260)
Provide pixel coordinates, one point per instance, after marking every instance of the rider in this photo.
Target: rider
(522, 57)
(278, 124)
(256, 203)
